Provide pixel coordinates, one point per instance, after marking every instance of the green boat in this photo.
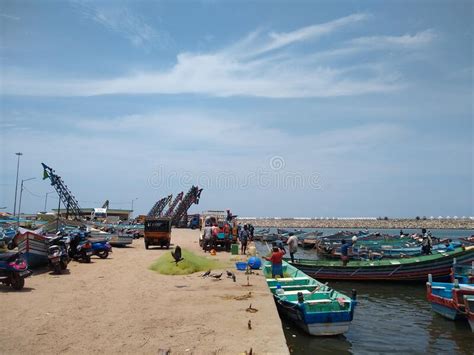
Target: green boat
(313, 306)
(415, 268)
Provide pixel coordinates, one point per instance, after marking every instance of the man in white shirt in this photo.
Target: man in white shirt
(292, 243)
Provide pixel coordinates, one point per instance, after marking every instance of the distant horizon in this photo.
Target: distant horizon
(454, 217)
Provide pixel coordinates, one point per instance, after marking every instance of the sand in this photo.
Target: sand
(118, 305)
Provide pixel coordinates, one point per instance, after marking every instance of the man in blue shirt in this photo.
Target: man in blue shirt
(345, 250)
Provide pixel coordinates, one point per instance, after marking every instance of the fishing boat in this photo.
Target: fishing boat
(469, 306)
(463, 273)
(313, 306)
(404, 269)
(33, 246)
(447, 298)
(364, 251)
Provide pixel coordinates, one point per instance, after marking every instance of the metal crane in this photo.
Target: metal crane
(173, 204)
(191, 197)
(65, 195)
(159, 206)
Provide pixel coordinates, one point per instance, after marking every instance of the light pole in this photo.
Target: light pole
(136, 198)
(19, 154)
(46, 199)
(21, 193)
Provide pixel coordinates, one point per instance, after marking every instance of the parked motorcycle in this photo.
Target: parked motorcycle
(58, 257)
(80, 248)
(13, 270)
(101, 249)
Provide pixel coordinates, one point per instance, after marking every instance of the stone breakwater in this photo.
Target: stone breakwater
(359, 223)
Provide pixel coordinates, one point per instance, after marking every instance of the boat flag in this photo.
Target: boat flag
(45, 174)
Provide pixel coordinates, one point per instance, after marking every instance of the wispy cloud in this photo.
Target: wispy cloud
(256, 43)
(121, 20)
(10, 17)
(404, 41)
(257, 65)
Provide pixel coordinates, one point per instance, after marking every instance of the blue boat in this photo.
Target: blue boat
(447, 299)
(463, 273)
(33, 246)
(313, 306)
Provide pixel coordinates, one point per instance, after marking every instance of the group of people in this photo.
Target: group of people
(231, 233)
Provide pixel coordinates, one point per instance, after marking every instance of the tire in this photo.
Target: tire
(103, 254)
(87, 258)
(17, 282)
(63, 264)
(146, 245)
(57, 268)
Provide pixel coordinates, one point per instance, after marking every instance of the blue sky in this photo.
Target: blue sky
(286, 108)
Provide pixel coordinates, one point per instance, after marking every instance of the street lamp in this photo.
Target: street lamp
(136, 198)
(16, 185)
(21, 193)
(46, 199)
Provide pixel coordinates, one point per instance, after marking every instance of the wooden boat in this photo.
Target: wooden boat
(463, 273)
(362, 251)
(447, 298)
(405, 269)
(313, 306)
(115, 238)
(33, 246)
(469, 306)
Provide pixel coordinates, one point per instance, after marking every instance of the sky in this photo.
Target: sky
(274, 108)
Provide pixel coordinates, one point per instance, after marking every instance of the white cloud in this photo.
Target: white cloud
(122, 20)
(257, 65)
(405, 41)
(253, 44)
(10, 17)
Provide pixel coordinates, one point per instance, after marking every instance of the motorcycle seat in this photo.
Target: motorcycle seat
(8, 256)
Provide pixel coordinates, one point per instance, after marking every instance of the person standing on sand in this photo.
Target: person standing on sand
(215, 233)
(227, 236)
(207, 238)
(292, 246)
(243, 237)
(276, 260)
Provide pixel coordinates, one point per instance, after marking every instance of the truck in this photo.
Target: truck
(157, 231)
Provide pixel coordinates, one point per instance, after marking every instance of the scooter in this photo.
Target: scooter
(101, 249)
(13, 270)
(80, 248)
(58, 257)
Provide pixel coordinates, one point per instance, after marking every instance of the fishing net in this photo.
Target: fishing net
(191, 263)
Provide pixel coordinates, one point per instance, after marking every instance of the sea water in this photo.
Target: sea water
(390, 318)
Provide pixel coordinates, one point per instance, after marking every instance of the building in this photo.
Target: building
(112, 214)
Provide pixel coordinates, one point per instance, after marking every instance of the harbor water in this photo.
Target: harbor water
(390, 318)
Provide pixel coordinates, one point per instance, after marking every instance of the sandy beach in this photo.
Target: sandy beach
(118, 305)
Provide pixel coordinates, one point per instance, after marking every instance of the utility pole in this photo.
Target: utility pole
(46, 200)
(136, 198)
(16, 184)
(21, 193)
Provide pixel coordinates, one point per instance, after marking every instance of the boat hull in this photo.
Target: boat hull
(314, 307)
(34, 248)
(409, 269)
(324, 324)
(446, 311)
